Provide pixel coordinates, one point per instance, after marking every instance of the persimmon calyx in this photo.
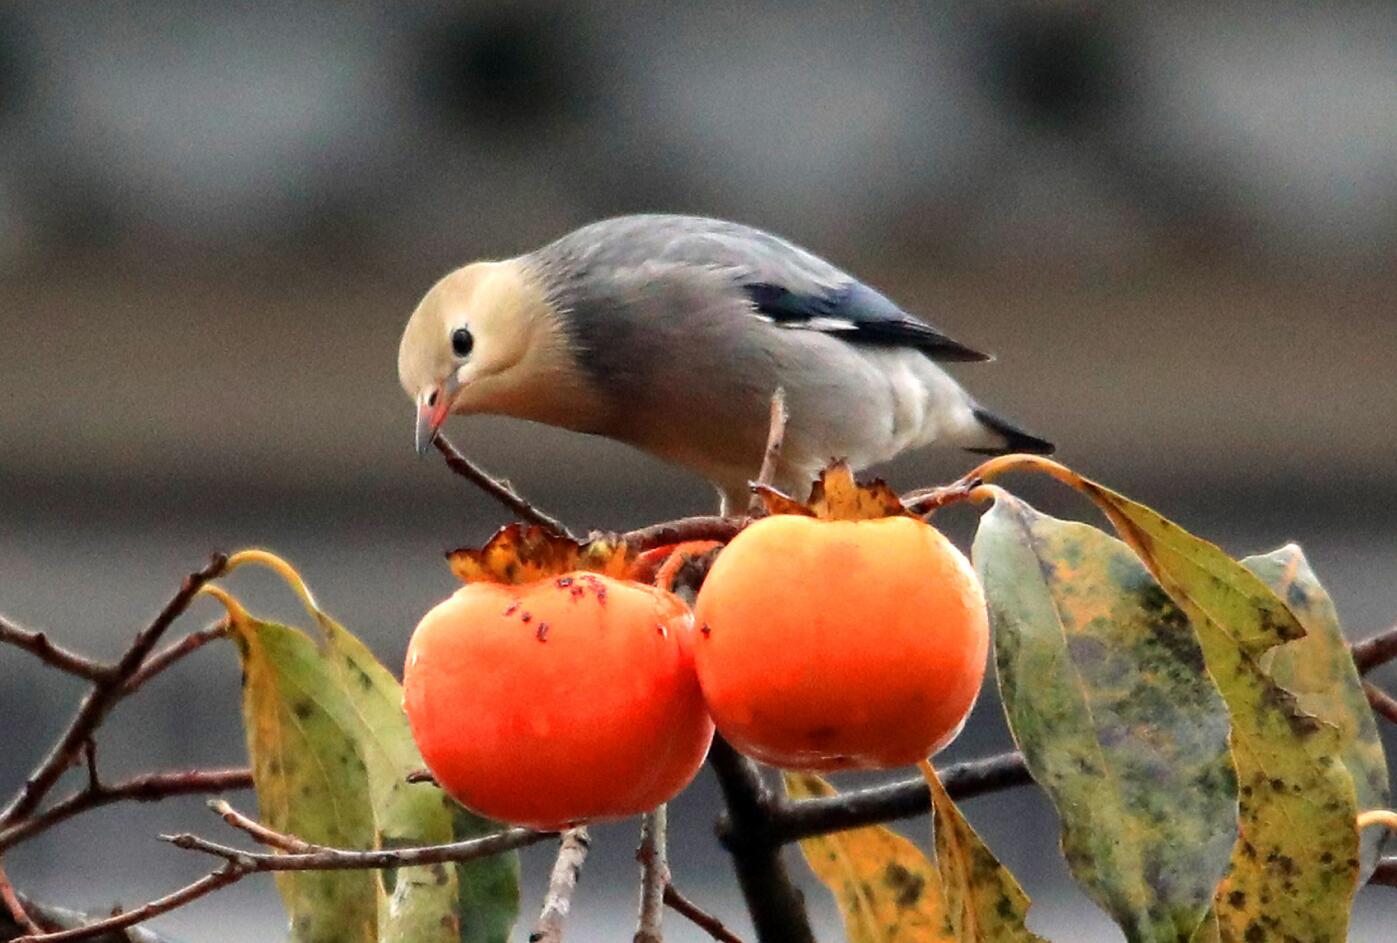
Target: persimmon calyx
(525, 553)
(837, 496)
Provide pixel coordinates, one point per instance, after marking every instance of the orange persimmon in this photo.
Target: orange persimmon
(840, 644)
(568, 699)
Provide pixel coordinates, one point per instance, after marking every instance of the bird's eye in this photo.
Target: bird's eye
(462, 342)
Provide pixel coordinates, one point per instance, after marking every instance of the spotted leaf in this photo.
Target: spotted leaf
(983, 901)
(1103, 684)
(1319, 671)
(887, 890)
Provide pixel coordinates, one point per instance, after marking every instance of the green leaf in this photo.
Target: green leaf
(488, 889)
(886, 888)
(1294, 868)
(310, 780)
(1105, 691)
(1320, 672)
(421, 904)
(984, 904)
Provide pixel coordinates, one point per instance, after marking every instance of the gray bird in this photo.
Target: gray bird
(671, 333)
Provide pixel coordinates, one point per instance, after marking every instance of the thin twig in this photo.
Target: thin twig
(1377, 650)
(104, 693)
(698, 916)
(150, 787)
(1381, 702)
(172, 653)
(685, 529)
(776, 906)
(653, 856)
(38, 644)
(16, 906)
(497, 488)
(562, 881)
(228, 874)
(775, 439)
(340, 859)
(260, 832)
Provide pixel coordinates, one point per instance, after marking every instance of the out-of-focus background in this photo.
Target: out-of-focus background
(1176, 225)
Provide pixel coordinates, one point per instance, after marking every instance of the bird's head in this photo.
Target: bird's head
(483, 340)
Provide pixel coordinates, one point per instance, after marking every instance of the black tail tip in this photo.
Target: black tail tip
(1015, 439)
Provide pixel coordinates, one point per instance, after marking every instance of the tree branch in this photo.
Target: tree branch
(685, 529)
(562, 881)
(228, 874)
(698, 916)
(497, 488)
(339, 859)
(1384, 704)
(38, 645)
(653, 856)
(172, 653)
(15, 906)
(1375, 651)
(776, 905)
(105, 692)
(150, 787)
(793, 821)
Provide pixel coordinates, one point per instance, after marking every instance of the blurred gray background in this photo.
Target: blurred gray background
(1177, 228)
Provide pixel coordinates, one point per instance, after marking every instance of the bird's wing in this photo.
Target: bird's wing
(786, 285)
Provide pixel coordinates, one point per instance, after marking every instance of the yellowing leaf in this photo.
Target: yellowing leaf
(984, 904)
(836, 496)
(1319, 671)
(886, 888)
(520, 553)
(1105, 691)
(1294, 869)
(310, 780)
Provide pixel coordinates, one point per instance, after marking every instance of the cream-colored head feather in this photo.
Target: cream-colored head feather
(516, 363)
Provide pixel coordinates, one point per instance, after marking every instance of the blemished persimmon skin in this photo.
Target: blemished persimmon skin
(829, 645)
(567, 700)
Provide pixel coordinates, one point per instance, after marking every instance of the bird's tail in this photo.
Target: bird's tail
(1001, 436)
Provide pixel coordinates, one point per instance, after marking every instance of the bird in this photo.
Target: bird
(672, 333)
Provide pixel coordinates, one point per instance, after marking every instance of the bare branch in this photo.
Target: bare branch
(1383, 703)
(653, 856)
(775, 440)
(698, 916)
(562, 881)
(172, 653)
(105, 692)
(1375, 651)
(497, 488)
(685, 529)
(150, 787)
(260, 832)
(796, 820)
(38, 644)
(776, 906)
(207, 884)
(16, 906)
(339, 859)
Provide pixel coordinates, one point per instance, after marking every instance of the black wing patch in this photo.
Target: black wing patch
(857, 314)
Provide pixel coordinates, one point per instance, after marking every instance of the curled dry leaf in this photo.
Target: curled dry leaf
(525, 553)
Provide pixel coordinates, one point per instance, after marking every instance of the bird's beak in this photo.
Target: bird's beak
(432, 410)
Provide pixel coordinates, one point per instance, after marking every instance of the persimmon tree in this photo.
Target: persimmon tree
(1198, 722)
